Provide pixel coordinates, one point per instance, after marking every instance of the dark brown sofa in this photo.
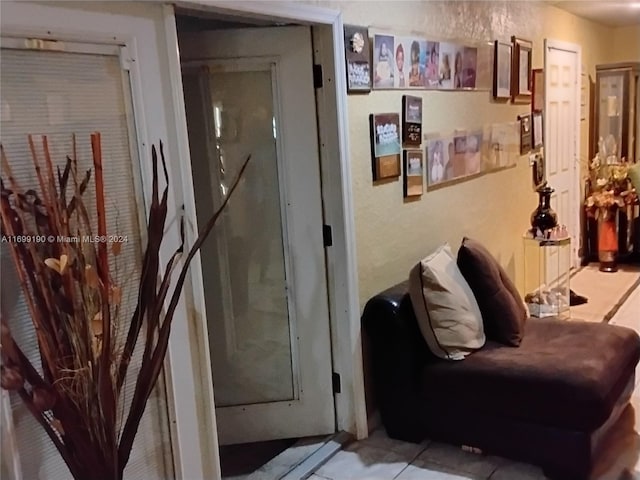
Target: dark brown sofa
(548, 402)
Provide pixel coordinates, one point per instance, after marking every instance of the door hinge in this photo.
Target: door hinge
(327, 235)
(317, 76)
(335, 380)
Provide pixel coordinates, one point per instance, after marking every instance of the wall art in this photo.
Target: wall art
(383, 61)
(454, 156)
(525, 133)
(537, 140)
(411, 120)
(409, 62)
(413, 185)
(502, 70)
(537, 90)
(385, 145)
(521, 70)
(358, 58)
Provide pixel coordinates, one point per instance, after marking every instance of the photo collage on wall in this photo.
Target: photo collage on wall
(401, 62)
(462, 154)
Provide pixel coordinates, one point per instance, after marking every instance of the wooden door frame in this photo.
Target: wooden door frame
(575, 170)
(337, 198)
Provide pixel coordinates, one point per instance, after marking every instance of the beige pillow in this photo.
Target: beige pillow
(446, 310)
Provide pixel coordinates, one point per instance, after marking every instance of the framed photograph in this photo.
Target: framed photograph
(412, 167)
(502, 70)
(358, 58)
(411, 120)
(525, 134)
(537, 90)
(383, 61)
(385, 145)
(521, 70)
(439, 158)
(538, 130)
(537, 171)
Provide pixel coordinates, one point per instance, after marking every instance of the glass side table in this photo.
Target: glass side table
(547, 265)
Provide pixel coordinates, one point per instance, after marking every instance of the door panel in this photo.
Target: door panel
(250, 91)
(561, 140)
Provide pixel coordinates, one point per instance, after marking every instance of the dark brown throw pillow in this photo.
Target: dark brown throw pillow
(502, 309)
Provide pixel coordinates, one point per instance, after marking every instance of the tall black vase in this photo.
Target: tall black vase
(543, 217)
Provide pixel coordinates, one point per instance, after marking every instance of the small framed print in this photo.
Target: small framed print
(385, 145)
(358, 58)
(537, 90)
(525, 134)
(412, 166)
(502, 70)
(521, 70)
(538, 130)
(411, 121)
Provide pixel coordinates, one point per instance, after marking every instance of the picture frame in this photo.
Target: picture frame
(537, 172)
(502, 53)
(537, 139)
(521, 70)
(525, 133)
(357, 59)
(385, 145)
(411, 121)
(537, 90)
(413, 173)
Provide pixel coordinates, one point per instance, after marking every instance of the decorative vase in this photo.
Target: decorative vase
(543, 217)
(607, 239)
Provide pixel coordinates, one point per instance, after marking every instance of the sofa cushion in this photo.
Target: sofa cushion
(503, 311)
(566, 374)
(446, 310)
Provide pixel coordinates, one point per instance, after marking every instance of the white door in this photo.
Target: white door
(562, 140)
(250, 91)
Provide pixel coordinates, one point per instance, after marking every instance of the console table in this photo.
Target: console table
(547, 265)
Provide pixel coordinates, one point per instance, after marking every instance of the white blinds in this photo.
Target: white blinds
(57, 94)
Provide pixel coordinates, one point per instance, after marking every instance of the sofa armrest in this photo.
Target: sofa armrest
(398, 354)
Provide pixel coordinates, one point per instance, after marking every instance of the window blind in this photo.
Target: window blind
(59, 94)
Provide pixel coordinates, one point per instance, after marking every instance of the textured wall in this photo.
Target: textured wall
(392, 234)
(626, 44)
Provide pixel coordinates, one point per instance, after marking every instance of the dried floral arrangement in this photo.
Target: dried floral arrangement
(74, 304)
(610, 186)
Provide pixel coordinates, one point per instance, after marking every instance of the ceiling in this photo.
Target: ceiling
(613, 13)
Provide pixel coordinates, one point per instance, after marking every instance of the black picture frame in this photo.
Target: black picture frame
(411, 121)
(526, 128)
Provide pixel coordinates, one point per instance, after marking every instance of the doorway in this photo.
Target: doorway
(249, 92)
(562, 65)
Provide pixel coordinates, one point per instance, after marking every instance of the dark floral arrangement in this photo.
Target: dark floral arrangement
(610, 184)
(74, 303)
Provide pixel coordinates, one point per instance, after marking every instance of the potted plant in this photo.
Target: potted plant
(74, 299)
(610, 189)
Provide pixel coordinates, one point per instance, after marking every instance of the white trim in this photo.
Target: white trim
(337, 195)
(209, 461)
(577, 49)
(139, 27)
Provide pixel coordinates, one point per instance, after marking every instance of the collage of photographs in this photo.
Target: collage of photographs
(401, 62)
(410, 62)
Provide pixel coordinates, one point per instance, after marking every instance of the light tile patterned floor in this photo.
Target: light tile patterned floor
(381, 458)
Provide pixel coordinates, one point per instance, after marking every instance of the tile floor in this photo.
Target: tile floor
(381, 458)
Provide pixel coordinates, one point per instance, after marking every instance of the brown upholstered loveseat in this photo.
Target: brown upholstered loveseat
(549, 401)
